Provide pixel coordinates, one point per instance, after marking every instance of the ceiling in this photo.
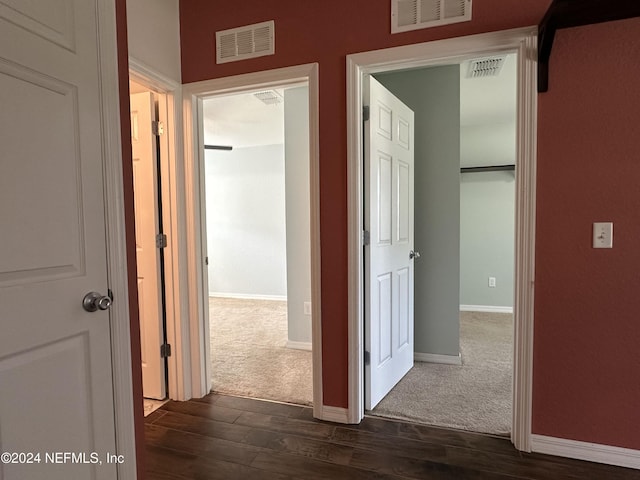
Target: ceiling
(242, 120)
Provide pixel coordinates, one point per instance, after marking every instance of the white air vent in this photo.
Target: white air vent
(269, 97)
(485, 67)
(245, 42)
(414, 14)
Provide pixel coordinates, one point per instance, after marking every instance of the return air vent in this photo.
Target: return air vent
(414, 14)
(245, 42)
(485, 67)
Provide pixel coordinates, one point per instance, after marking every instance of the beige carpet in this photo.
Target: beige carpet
(249, 358)
(249, 354)
(475, 396)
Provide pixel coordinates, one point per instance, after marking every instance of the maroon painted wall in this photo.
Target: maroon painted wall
(125, 129)
(587, 308)
(586, 366)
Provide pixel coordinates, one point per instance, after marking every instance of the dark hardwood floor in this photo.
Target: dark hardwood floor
(222, 437)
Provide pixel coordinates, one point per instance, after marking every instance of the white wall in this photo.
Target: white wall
(246, 234)
(154, 35)
(296, 139)
(487, 229)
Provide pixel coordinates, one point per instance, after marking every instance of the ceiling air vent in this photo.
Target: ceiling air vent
(245, 42)
(414, 14)
(485, 67)
(269, 97)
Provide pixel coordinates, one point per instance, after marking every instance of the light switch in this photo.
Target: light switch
(603, 235)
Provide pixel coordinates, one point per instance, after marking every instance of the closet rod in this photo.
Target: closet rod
(218, 147)
(491, 168)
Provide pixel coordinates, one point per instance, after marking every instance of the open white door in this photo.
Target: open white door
(56, 383)
(145, 188)
(388, 217)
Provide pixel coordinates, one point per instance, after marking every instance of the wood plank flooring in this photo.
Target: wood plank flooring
(224, 437)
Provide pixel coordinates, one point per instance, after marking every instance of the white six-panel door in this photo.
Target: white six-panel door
(56, 391)
(389, 164)
(145, 188)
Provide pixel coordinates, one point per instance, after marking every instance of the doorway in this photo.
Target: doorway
(151, 132)
(256, 171)
(436, 53)
(464, 233)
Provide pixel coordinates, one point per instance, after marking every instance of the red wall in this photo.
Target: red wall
(587, 309)
(586, 369)
(125, 130)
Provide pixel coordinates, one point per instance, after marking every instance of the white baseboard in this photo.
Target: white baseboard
(436, 358)
(485, 308)
(299, 345)
(335, 414)
(592, 452)
(248, 296)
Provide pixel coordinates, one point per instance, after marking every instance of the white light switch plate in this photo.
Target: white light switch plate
(603, 235)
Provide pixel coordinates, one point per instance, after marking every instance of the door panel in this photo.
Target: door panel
(56, 390)
(388, 216)
(145, 187)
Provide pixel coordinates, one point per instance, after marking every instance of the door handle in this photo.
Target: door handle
(93, 301)
(413, 255)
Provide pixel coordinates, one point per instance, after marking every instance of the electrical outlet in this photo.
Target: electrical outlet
(603, 235)
(307, 308)
(492, 282)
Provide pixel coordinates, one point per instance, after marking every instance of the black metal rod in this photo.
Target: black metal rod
(218, 147)
(491, 168)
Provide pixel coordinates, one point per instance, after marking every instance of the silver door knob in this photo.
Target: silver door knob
(93, 301)
(413, 255)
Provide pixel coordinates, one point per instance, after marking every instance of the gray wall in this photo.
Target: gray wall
(434, 96)
(296, 154)
(153, 30)
(487, 226)
(246, 235)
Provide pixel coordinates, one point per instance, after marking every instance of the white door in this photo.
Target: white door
(388, 218)
(145, 189)
(56, 392)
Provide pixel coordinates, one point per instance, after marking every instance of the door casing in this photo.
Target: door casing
(193, 94)
(177, 333)
(523, 41)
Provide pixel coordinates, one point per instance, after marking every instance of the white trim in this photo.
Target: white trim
(194, 213)
(437, 358)
(485, 308)
(335, 414)
(523, 41)
(299, 345)
(174, 264)
(591, 452)
(248, 296)
(124, 420)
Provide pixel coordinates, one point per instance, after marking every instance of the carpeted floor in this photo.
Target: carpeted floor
(249, 354)
(250, 358)
(475, 396)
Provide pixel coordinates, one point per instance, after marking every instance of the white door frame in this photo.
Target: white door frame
(193, 95)
(119, 318)
(170, 114)
(524, 42)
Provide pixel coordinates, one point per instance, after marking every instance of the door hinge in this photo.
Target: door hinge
(206, 260)
(366, 238)
(161, 240)
(365, 113)
(367, 358)
(157, 128)
(165, 350)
